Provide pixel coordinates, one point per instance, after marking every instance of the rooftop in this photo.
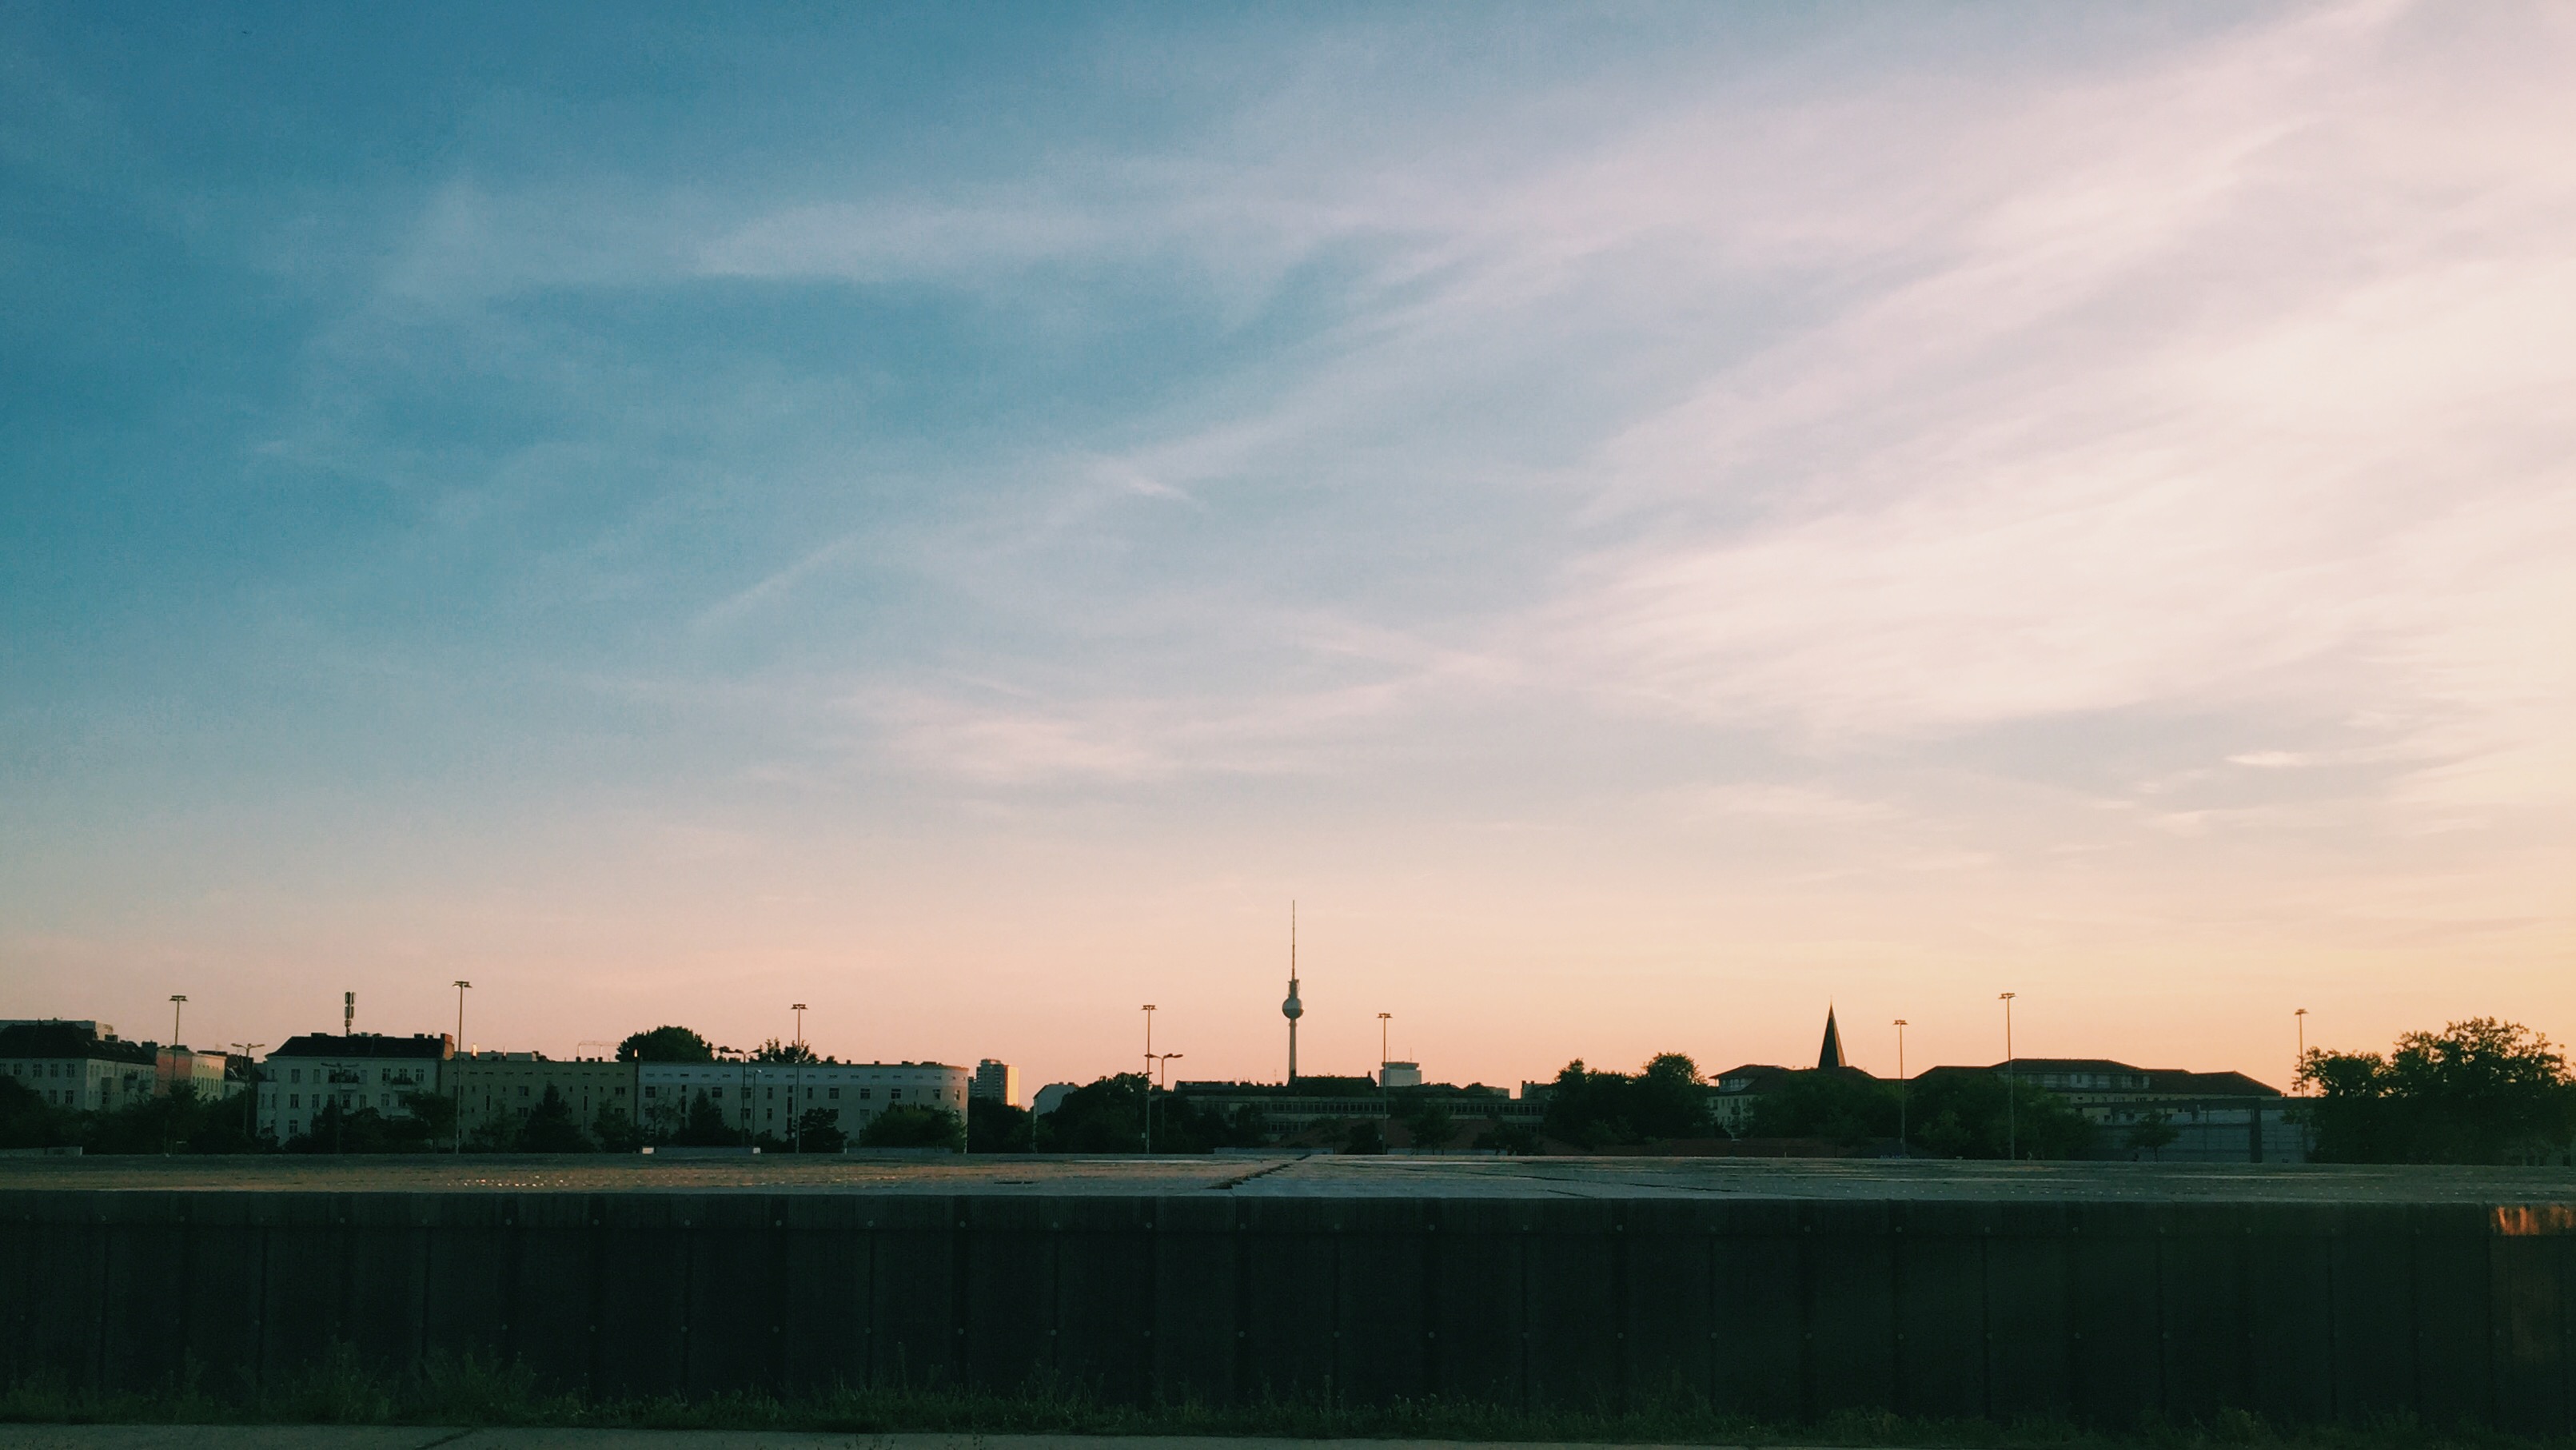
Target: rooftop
(1282, 1176)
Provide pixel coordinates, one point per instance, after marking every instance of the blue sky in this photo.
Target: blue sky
(1646, 519)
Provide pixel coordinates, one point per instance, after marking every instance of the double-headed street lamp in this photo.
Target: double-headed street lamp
(1900, 1090)
(2012, 1143)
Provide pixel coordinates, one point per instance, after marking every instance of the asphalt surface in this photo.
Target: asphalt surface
(387, 1437)
(1323, 1176)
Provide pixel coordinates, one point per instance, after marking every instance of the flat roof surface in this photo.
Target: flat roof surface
(1319, 1176)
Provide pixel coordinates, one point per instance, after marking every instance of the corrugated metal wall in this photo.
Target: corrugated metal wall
(2102, 1312)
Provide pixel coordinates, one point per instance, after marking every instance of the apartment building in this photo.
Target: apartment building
(77, 1065)
(767, 1097)
(356, 1070)
(495, 1091)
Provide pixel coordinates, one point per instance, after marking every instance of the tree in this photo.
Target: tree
(28, 1121)
(775, 1051)
(913, 1125)
(616, 1131)
(704, 1126)
(1597, 1109)
(666, 1044)
(819, 1131)
(362, 1130)
(1431, 1127)
(1974, 1113)
(551, 1127)
(1105, 1115)
(2151, 1132)
(993, 1126)
(181, 1122)
(1365, 1137)
(1846, 1107)
(2479, 1091)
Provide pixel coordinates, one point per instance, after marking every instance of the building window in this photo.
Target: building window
(836, 1095)
(894, 1095)
(295, 1100)
(295, 1074)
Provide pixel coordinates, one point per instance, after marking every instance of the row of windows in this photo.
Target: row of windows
(61, 1069)
(717, 1093)
(398, 1076)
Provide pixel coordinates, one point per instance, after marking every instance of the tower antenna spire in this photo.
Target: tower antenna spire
(1292, 1009)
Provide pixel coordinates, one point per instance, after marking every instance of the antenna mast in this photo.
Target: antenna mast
(1292, 1009)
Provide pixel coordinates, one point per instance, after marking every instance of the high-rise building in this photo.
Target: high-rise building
(996, 1081)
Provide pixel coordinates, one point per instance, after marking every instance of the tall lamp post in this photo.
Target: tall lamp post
(1149, 1077)
(177, 1001)
(2012, 1110)
(457, 1049)
(2302, 1016)
(796, 1089)
(1901, 1149)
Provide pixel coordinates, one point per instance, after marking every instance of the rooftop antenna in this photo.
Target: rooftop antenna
(348, 1014)
(1292, 1009)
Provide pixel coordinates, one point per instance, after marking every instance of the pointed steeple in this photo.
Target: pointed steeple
(1832, 1055)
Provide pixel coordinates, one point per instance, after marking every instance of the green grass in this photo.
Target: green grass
(342, 1389)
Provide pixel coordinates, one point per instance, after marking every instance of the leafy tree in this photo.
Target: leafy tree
(2151, 1132)
(2479, 1091)
(1972, 1113)
(181, 1122)
(1510, 1139)
(820, 1132)
(551, 1127)
(1431, 1127)
(913, 1125)
(997, 1127)
(616, 1131)
(666, 1044)
(1365, 1138)
(363, 1130)
(776, 1051)
(28, 1121)
(1102, 1116)
(704, 1126)
(1596, 1109)
(1846, 1107)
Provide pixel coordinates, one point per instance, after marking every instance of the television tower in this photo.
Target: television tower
(1292, 1009)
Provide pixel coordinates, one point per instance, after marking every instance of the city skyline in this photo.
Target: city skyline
(1645, 523)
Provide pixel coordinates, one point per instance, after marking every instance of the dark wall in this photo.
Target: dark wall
(1782, 1309)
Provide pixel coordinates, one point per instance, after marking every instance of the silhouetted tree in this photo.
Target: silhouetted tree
(666, 1044)
(1973, 1113)
(820, 1132)
(1598, 1109)
(997, 1127)
(1846, 1107)
(551, 1127)
(913, 1125)
(704, 1126)
(776, 1051)
(1102, 1116)
(2479, 1091)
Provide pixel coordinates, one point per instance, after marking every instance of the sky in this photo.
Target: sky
(1643, 521)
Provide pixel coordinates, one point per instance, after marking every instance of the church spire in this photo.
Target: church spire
(1832, 1054)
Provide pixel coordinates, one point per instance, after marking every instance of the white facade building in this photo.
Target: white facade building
(767, 1097)
(356, 1070)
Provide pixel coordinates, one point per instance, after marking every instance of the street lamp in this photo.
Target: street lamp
(459, 1046)
(796, 1089)
(177, 1000)
(2012, 1130)
(2302, 1016)
(1901, 1149)
(1149, 1077)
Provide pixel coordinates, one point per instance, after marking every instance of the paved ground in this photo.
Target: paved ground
(374, 1437)
(1315, 1177)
